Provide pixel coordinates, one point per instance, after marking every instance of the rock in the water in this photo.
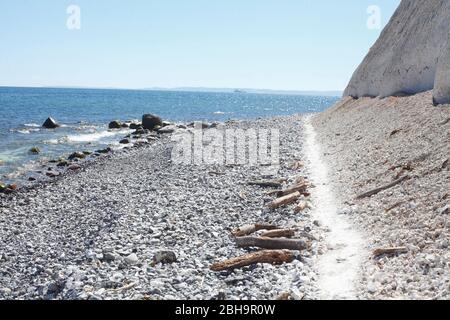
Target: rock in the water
(35, 150)
(63, 163)
(50, 123)
(77, 155)
(104, 151)
(3, 187)
(115, 125)
(141, 131)
(125, 125)
(215, 125)
(151, 122)
(164, 257)
(125, 141)
(135, 126)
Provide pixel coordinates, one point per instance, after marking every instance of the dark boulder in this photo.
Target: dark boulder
(141, 131)
(125, 125)
(62, 163)
(35, 150)
(104, 151)
(135, 126)
(115, 125)
(124, 141)
(77, 155)
(50, 123)
(150, 121)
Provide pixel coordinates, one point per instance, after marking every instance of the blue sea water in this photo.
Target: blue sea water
(85, 114)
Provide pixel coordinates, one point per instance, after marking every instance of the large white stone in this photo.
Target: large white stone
(411, 55)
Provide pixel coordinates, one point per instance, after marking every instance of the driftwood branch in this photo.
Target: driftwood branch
(266, 256)
(389, 251)
(383, 188)
(284, 201)
(269, 243)
(252, 228)
(297, 188)
(279, 233)
(301, 207)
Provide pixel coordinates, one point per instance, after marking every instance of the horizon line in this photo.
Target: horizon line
(189, 89)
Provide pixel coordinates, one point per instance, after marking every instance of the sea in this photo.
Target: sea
(84, 115)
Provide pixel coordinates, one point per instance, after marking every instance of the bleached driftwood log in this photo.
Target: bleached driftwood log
(302, 205)
(302, 187)
(284, 201)
(265, 256)
(270, 243)
(252, 228)
(279, 233)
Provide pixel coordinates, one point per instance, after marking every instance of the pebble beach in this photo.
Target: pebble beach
(95, 233)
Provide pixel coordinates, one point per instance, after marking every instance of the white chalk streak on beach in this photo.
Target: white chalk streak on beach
(339, 267)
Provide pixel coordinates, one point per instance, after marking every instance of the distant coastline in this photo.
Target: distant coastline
(330, 93)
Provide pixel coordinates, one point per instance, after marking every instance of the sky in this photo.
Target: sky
(261, 44)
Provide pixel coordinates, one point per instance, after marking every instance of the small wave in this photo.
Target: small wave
(32, 125)
(219, 112)
(8, 157)
(91, 137)
(21, 170)
(27, 130)
(52, 141)
(86, 127)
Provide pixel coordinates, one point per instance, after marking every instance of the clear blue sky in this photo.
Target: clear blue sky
(267, 44)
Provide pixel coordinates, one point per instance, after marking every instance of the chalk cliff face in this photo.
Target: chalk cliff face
(412, 54)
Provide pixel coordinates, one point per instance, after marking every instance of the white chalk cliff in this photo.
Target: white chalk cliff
(411, 55)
